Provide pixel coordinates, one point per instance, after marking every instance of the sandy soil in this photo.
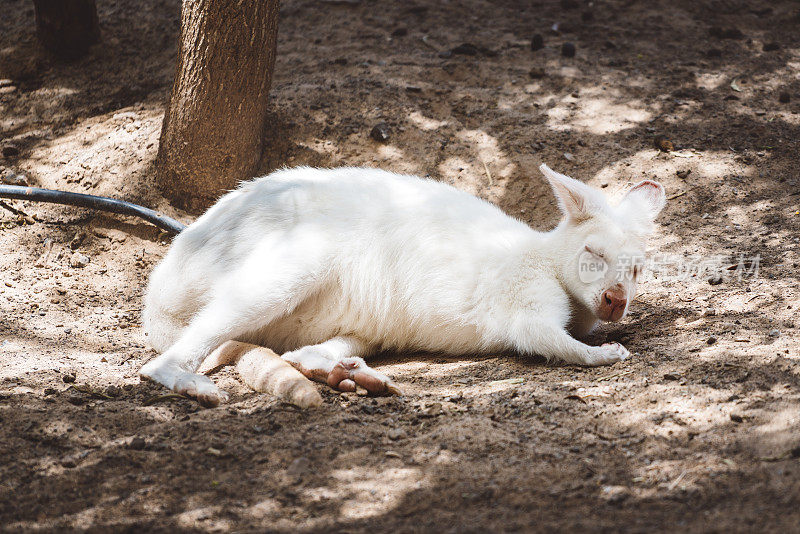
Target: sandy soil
(699, 431)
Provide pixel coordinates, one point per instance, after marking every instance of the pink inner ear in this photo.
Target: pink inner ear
(652, 190)
(648, 185)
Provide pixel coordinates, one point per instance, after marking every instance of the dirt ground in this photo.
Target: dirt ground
(699, 431)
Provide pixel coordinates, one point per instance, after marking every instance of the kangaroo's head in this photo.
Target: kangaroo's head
(602, 247)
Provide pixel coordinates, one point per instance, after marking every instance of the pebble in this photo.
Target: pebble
(771, 47)
(715, 280)
(663, 144)
(614, 494)
(466, 49)
(76, 241)
(380, 132)
(68, 379)
(784, 97)
(79, 260)
(568, 50)
(69, 463)
(736, 418)
(536, 73)
(774, 333)
(5, 82)
(537, 42)
(12, 178)
(433, 410)
(137, 444)
(10, 151)
(568, 156)
(113, 391)
(711, 340)
(725, 33)
(299, 467)
(395, 434)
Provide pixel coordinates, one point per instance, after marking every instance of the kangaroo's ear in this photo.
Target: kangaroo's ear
(645, 199)
(576, 200)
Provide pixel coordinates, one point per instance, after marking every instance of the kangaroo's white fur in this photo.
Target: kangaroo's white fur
(326, 266)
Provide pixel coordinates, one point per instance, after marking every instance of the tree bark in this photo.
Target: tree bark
(213, 128)
(67, 28)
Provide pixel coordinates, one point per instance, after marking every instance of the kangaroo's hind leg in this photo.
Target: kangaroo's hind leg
(250, 298)
(339, 363)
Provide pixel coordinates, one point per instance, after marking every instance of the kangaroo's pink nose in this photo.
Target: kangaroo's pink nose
(615, 301)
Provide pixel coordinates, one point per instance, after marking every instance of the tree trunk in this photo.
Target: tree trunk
(67, 28)
(213, 128)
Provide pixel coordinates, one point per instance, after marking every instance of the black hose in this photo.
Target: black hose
(36, 194)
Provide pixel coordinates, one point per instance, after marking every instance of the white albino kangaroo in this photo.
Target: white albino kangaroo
(330, 266)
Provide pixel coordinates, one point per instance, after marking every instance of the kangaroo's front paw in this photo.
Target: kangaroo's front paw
(607, 354)
(192, 385)
(201, 388)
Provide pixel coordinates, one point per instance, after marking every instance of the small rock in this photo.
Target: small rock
(12, 178)
(725, 33)
(400, 32)
(784, 97)
(536, 73)
(537, 42)
(50, 391)
(711, 340)
(711, 312)
(774, 333)
(137, 444)
(468, 49)
(771, 47)
(5, 82)
(76, 241)
(68, 379)
(433, 410)
(395, 434)
(10, 151)
(413, 89)
(69, 463)
(713, 53)
(391, 454)
(568, 156)
(568, 50)
(79, 260)
(736, 418)
(380, 132)
(715, 280)
(672, 376)
(299, 467)
(614, 494)
(76, 399)
(113, 391)
(663, 144)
